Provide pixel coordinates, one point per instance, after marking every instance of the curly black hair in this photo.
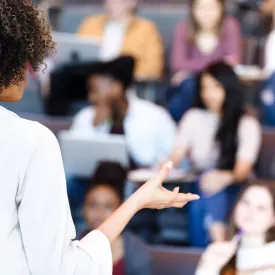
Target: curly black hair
(112, 174)
(24, 38)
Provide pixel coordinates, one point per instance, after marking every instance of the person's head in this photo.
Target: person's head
(254, 215)
(117, 9)
(205, 15)
(220, 91)
(24, 39)
(105, 193)
(254, 211)
(109, 81)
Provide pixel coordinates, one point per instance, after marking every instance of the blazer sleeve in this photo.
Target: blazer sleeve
(45, 219)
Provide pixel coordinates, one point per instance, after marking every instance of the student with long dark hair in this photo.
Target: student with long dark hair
(37, 232)
(250, 247)
(222, 142)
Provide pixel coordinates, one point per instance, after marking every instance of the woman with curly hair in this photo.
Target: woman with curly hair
(36, 229)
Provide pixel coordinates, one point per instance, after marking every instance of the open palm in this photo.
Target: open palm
(154, 195)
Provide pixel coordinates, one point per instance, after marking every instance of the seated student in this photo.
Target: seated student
(149, 130)
(53, 9)
(267, 93)
(124, 33)
(269, 63)
(252, 251)
(207, 36)
(222, 142)
(255, 16)
(105, 194)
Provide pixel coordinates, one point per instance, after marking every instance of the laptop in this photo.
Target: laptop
(81, 153)
(72, 48)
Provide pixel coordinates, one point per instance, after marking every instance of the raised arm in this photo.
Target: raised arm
(46, 223)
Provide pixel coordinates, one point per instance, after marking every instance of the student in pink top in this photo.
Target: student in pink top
(208, 35)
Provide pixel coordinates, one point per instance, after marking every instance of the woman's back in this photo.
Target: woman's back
(36, 225)
(17, 141)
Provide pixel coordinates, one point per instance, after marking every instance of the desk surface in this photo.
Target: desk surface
(250, 74)
(176, 176)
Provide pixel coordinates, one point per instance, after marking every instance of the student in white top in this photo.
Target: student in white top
(36, 229)
(251, 246)
(144, 124)
(221, 140)
(269, 59)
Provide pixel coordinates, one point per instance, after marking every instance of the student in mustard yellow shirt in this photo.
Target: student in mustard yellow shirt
(123, 33)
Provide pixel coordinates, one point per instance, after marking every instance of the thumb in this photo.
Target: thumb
(164, 173)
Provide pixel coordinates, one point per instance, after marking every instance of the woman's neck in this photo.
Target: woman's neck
(123, 20)
(253, 240)
(211, 31)
(120, 109)
(215, 113)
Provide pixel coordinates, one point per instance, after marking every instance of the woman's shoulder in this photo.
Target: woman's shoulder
(249, 120)
(230, 23)
(194, 114)
(145, 23)
(95, 19)
(181, 26)
(249, 125)
(271, 37)
(249, 257)
(25, 128)
(25, 135)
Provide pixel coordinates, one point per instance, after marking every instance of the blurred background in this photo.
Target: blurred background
(133, 84)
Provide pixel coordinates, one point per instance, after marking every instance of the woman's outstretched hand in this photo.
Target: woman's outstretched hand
(153, 195)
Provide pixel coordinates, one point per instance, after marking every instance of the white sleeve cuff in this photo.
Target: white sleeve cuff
(97, 246)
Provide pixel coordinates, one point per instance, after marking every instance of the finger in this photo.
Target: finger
(176, 190)
(163, 174)
(181, 197)
(179, 204)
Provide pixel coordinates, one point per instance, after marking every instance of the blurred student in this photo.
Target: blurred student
(105, 194)
(270, 43)
(207, 36)
(124, 33)
(267, 93)
(254, 220)
(255, 16)
(53, 9)
(144, 124)
(222, 142)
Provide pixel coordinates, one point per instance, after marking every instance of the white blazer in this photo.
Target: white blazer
(36, 228)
